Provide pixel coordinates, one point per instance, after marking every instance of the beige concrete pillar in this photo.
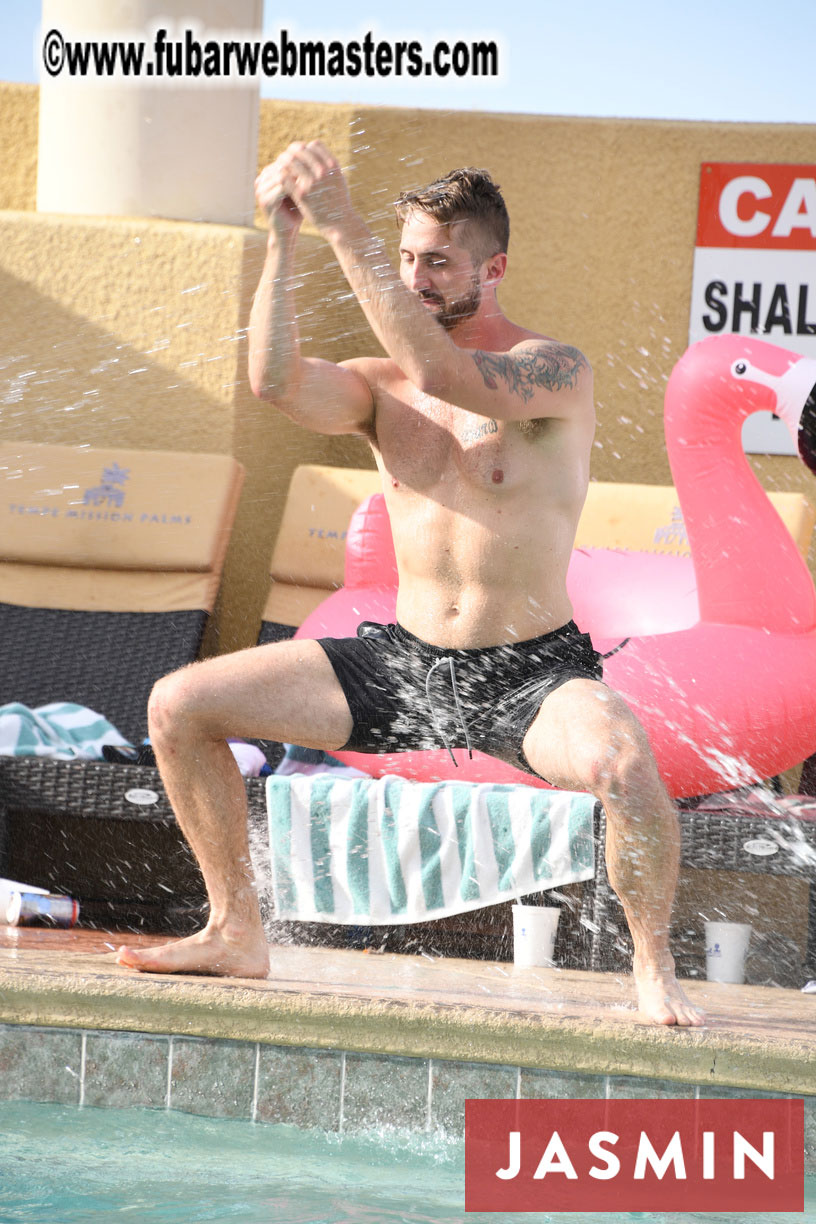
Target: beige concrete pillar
(181, 146)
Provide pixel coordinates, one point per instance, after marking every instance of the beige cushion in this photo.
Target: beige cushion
(648, 518)
(112, 529)
(290, 605)
(105, 590)
(311, 545)
(114, 508)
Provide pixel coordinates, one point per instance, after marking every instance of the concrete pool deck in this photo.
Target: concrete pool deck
(759, 1038)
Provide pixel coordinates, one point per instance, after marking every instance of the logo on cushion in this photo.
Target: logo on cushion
(674, 532)
(103, 503)
(109, 491)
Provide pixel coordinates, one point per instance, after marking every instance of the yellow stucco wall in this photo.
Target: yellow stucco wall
(18, 145)
(131, 331)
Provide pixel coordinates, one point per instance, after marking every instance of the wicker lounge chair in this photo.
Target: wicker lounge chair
(110, 561)
(741, 833)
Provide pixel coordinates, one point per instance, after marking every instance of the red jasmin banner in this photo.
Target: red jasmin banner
(641, 1155)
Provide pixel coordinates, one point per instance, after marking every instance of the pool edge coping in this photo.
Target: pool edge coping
(292, 1014)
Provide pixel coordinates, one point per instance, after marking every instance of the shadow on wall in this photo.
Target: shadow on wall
(65, 378)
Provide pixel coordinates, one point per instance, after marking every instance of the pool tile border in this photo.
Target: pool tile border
(123, 1070)
(331, 1090)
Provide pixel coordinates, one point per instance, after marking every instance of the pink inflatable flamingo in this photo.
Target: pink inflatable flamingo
(717, 654)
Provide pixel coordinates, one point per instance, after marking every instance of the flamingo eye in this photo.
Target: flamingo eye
(740, 367)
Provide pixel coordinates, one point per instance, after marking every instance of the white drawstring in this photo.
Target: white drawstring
(459, 711)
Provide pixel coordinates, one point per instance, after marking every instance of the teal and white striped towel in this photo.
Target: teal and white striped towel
(386, 850)
(61, 730)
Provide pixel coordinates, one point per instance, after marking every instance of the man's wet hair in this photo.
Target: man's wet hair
(463, 195)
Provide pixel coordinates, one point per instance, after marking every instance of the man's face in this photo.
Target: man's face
(439, 269)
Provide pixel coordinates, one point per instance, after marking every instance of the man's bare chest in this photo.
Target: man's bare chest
(423, 441)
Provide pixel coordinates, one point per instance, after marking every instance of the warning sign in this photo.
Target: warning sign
(755, 267)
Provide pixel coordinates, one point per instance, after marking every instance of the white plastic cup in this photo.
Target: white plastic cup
(726, 949)
(534, 928)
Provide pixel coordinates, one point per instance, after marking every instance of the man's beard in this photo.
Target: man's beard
(451, 314)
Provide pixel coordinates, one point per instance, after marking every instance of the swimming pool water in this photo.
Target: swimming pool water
(71, 1165)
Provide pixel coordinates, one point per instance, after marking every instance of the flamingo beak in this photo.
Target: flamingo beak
(795, 392)
(807, 431)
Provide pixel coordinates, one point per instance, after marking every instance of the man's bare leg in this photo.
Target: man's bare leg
(286, 691)
(585, 737)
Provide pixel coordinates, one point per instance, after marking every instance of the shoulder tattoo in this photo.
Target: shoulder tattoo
(551, 366)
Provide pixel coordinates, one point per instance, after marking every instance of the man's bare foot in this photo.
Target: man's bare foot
(661, 999)
(206, 952)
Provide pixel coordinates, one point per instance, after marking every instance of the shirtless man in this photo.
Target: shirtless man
(482, 432)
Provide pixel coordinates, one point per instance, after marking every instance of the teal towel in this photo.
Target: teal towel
(62, 730)
(386, 850)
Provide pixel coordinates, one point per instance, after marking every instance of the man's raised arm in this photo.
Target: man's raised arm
(319, 395)
(536, 378)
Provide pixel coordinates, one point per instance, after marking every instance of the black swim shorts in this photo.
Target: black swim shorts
(405, 694)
